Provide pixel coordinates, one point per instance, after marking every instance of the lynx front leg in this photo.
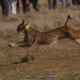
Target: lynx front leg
(15, 45)
(78, 41)
(23, 44)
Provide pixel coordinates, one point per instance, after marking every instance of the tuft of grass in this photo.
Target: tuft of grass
(28, 58)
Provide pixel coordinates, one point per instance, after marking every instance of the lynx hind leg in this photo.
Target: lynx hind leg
(78, 41)
(13, 45)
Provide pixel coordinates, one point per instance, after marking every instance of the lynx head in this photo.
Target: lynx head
(23, 26)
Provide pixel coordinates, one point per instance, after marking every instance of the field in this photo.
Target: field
(60, 60)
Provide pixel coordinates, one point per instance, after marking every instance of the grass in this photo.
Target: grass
(28, 58)
(61, 58)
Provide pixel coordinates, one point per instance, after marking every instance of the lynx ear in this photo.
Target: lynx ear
(24, 22)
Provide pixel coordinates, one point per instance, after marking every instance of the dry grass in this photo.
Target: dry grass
(61, 58)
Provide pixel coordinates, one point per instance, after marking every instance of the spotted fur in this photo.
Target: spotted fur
(32, 35)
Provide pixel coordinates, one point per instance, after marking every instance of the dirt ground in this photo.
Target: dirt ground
(58, 61)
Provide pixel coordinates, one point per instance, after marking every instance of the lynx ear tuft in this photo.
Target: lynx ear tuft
(23, 21)
(69, 16)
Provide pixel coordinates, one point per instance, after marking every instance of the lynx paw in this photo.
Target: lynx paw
(13, 45)
(78, 41)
